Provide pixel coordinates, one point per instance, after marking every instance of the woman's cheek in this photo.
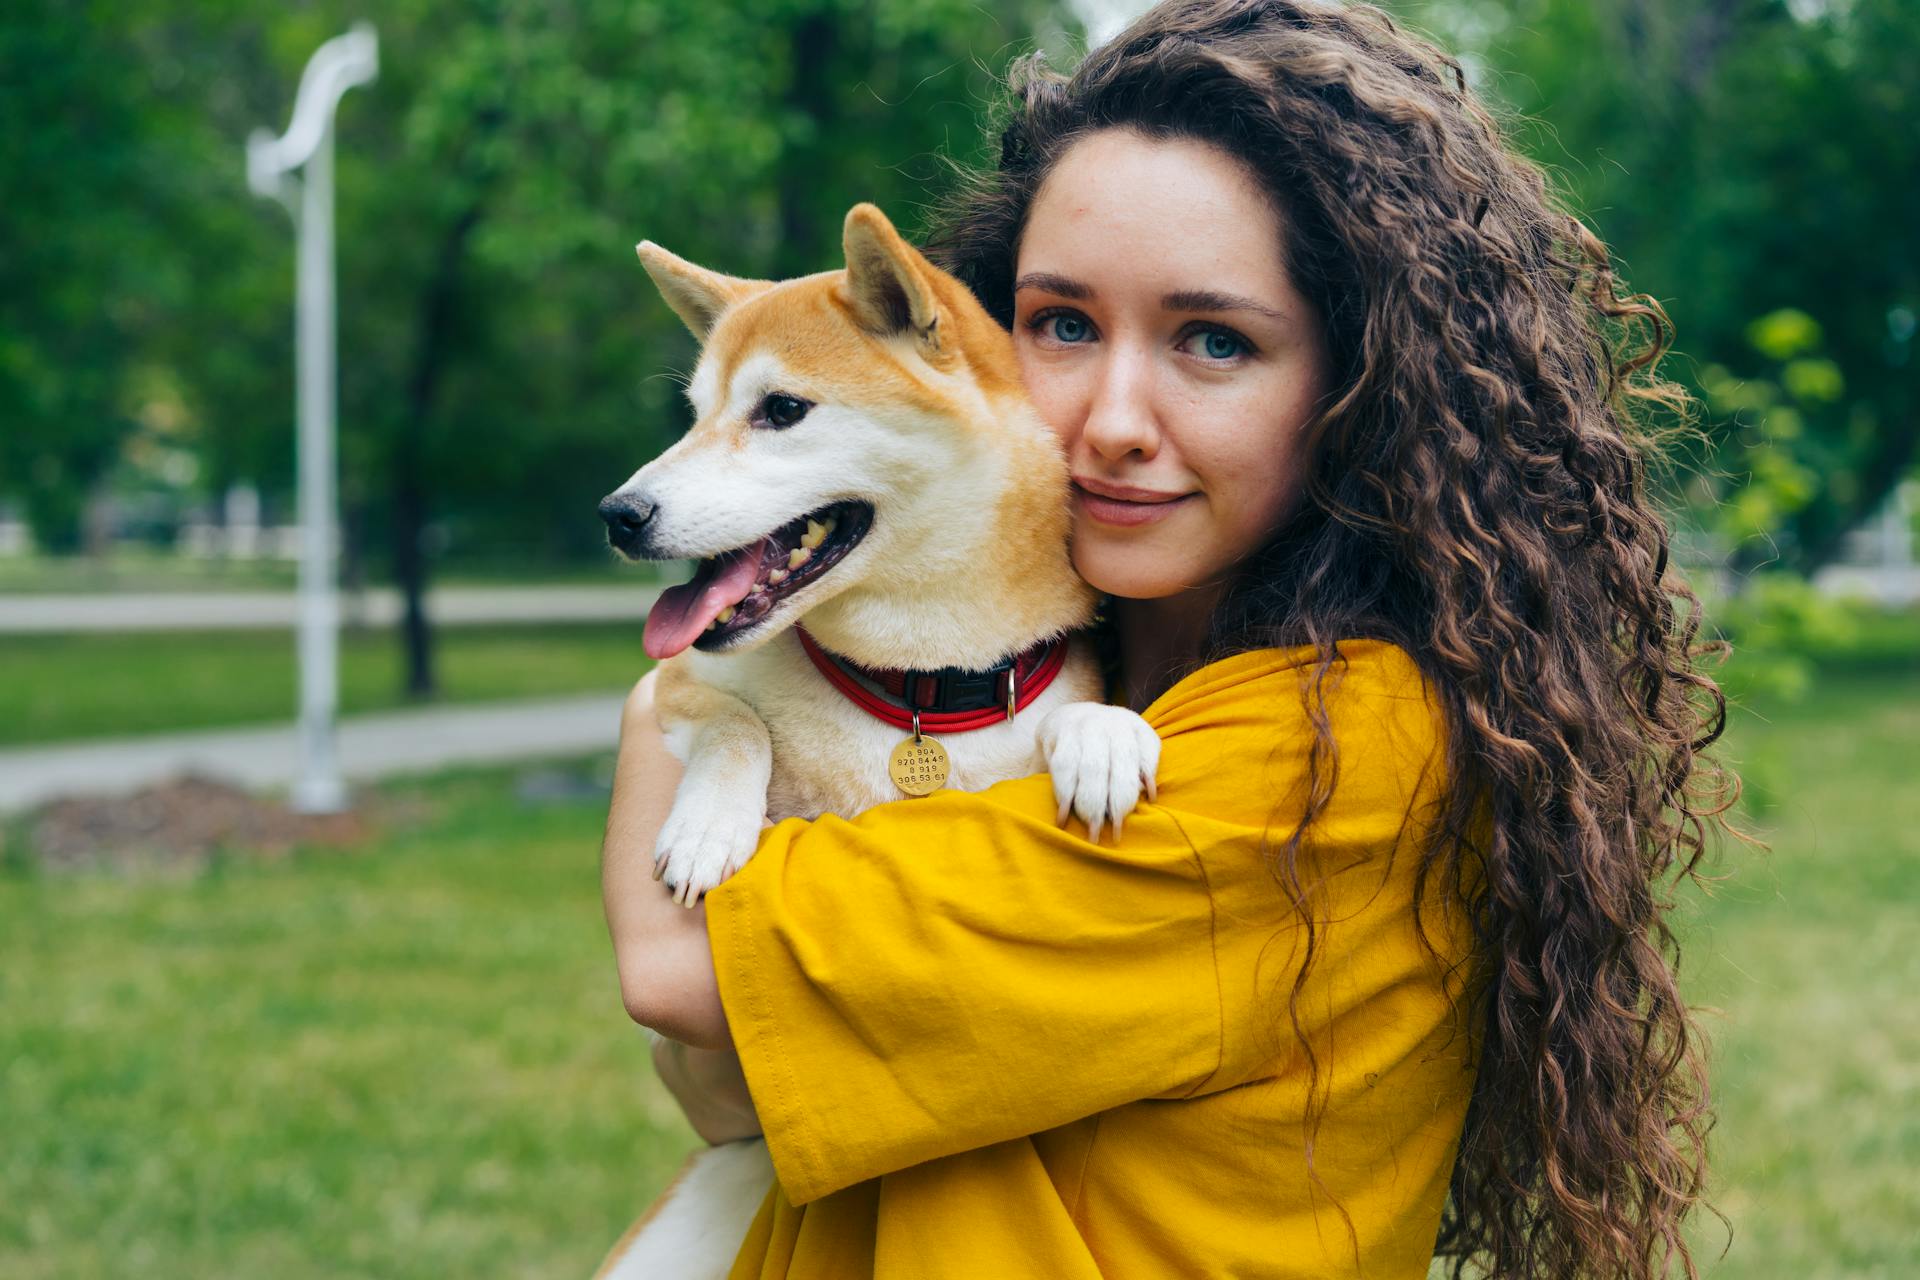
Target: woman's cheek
(1252, 468)
(1050, 387)
(1259, 512)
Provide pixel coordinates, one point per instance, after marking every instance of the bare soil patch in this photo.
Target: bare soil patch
(184, 824)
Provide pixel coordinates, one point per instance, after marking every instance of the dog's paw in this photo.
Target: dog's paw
(707, 837)
(1101, 758)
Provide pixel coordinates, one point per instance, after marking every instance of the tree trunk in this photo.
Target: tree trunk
(811, 97)
(411, 510)
(410, 560)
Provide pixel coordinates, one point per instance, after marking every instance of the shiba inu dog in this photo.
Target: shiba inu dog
(883, 605)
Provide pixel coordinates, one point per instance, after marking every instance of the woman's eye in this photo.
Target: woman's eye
(780, 410)
(1217, 344)
(1062, 326)
(1069, 328)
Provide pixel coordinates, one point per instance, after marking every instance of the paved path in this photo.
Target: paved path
(1892, 585)
(371, 746)
(277, 610)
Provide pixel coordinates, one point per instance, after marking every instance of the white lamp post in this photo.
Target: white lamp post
(337, 66)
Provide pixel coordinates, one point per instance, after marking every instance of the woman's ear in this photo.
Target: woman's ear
(697, 295)
(889, 284)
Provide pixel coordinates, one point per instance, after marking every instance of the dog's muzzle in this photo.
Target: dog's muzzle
(627, 516)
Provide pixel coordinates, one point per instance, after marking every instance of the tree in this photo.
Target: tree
(1743, 158)
(498, 343)
(72, 149)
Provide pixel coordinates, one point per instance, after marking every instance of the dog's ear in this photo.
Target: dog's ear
(697, 295)
(889, 284)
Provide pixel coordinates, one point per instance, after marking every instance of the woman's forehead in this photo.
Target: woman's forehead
(1121, 210)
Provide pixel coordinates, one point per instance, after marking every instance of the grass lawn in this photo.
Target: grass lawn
(140, 569)
(411, 1060)
(405, 1061)
(77, 686)
(136, 568)
(1811, 954)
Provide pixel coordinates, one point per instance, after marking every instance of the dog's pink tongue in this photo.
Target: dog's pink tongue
(683, 612)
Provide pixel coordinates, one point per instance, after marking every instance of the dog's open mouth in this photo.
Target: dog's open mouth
(735, 591)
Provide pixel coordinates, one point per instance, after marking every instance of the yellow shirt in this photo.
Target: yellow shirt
(984, 1048)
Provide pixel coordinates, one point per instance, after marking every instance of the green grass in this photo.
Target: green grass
(406, 1061)
(143, 569)
(135, 569)
(1811, 955)
(411, 1060)
(79, 686)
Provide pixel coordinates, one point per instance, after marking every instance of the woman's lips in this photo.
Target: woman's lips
(1120, 505)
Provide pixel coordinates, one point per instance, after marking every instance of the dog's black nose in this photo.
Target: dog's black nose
(627, 516)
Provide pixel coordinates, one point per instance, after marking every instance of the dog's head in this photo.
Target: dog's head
(856, 431)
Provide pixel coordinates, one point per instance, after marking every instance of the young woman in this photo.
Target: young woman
(1349, 407)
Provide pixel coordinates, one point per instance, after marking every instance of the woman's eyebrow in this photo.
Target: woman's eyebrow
(1208, 300)
(1179, 300)
(1062, 285)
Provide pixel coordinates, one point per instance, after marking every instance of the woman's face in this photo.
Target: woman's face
(1160, 337)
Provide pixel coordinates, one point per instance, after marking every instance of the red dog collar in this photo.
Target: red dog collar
(947, 700)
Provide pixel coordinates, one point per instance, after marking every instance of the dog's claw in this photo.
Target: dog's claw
(705, 839)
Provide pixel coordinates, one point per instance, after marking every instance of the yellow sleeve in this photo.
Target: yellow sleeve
(941, 974)
(937, 975)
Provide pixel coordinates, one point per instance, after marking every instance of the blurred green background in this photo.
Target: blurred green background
(401, 1051)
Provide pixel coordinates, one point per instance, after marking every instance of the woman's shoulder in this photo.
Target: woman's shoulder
(1288, 689)
(1241, 733)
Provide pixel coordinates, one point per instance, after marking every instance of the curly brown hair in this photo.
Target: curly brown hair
(1478, 495)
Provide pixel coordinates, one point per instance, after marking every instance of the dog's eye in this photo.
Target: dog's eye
(779, 410)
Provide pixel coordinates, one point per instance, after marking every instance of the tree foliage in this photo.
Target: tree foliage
(71, 243)
(503, 362)
(1748, 161)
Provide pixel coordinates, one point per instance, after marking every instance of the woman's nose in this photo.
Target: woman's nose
(1121, 415)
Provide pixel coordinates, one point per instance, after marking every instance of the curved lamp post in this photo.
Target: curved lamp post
(307, 145)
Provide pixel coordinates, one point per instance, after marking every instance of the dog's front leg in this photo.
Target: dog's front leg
(722, 801)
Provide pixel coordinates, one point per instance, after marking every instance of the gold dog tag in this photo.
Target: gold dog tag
(919, 766)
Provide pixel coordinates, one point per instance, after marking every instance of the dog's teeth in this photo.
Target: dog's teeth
(724, 616)
(756, 588)
(777, 577)
(816, 534)
(831, 522)
(713, 624)
(798, 556)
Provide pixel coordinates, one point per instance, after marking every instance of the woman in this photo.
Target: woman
(1349, 408)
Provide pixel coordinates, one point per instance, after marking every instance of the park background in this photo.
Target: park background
(239, 1041)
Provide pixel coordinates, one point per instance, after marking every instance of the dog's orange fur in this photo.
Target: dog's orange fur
(823, 334)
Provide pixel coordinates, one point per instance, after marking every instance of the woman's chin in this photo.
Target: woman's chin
(1131, 572)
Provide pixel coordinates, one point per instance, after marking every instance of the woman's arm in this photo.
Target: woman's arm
(711, 1087)
(665, 964)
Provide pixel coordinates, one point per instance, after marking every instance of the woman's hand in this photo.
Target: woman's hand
(666, 966)
(711, 1089)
